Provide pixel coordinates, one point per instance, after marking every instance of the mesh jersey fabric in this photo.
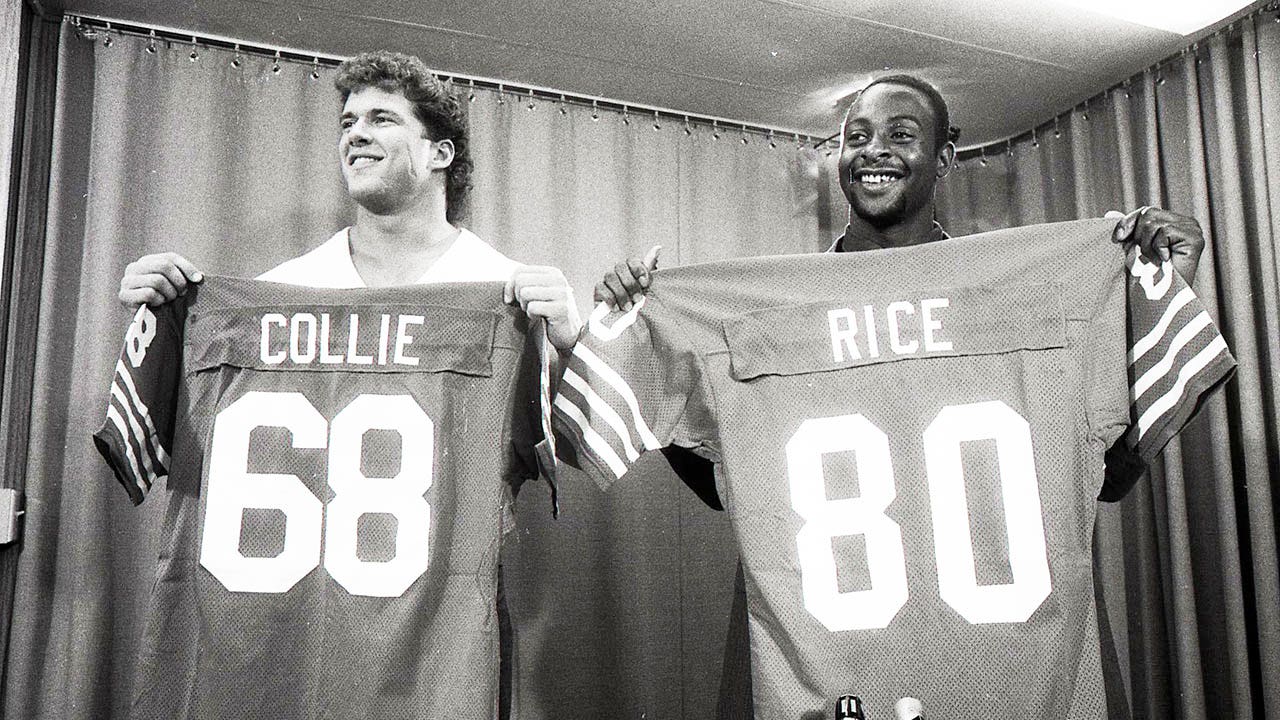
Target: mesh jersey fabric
(911, 443)
(338, 464)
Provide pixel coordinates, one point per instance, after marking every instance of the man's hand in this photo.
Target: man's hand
(156, 279)
(542, 292)
(628, 281)
(1164, 235)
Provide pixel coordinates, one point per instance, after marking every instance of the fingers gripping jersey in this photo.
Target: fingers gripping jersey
(910, 444)
(338, 466)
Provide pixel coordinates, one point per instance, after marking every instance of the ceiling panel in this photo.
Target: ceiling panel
(778, 63)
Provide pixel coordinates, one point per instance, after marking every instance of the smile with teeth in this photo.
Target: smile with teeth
(359, 161)
(874, 178)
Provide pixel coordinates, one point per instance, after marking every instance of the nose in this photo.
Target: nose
(876, 147)
(357, 133)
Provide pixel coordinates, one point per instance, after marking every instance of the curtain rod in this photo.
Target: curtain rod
(92, 25)
(995, 147)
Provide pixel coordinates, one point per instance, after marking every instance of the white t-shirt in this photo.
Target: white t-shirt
(469, 259)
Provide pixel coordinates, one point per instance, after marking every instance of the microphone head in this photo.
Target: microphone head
(849, 706)
(908, 708)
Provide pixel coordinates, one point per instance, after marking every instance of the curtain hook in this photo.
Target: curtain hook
(626, 116)
(772, 144)
(106, 36)
(715, 130)
(564, 110)
(982, 153)
(687, 129)
(275, 64)
(656, 125)
(530, 107)
(195, 52)
(595, 110)
(744, 134)
(1057, 131)
(1035, 143)
(315, 68)
(151, 42)
(235, 59)
(1008, 144)
(471, 90)
(502, 95)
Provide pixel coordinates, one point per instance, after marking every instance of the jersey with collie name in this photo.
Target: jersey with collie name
(338, 463)
(910, 444)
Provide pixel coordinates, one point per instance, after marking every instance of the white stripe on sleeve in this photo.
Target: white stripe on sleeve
(603, 411)
(1152, 338)
(601, 368)
(1162, 368)
(1174, 396)
(161, 454)
(597, 444)
(135, 430)
(138, 478)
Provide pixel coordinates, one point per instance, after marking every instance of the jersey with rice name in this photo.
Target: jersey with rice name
(910, 444)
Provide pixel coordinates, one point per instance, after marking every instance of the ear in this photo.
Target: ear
(946, 159)
(442, 153)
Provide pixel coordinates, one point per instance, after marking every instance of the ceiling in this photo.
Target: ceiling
(1004, 65)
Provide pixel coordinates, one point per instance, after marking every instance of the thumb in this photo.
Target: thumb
(651, 257)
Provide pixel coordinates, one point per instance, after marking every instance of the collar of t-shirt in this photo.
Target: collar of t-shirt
(846, 244)
(469, 259)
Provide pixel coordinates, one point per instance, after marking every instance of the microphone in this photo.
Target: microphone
(908, 708)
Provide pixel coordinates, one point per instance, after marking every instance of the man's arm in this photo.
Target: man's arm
(156, 279)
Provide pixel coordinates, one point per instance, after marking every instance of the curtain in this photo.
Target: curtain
(621, 606)
(1186, 563)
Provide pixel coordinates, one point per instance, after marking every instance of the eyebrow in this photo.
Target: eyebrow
(371, 111)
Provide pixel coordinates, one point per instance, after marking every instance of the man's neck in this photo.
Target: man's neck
(397, 249)
(915, 230)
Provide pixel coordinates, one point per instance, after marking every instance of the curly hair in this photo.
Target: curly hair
(943, 132)
(435, 106)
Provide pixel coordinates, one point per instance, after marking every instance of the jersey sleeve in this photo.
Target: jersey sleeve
(632, 383)
(1176, 354)
(137, 435)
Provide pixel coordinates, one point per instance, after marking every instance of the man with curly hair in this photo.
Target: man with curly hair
(404, 153)
(406, 160)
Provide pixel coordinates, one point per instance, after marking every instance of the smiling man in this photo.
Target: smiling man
(847, 394)
(405, 157)
(896, 146)
(340, 459)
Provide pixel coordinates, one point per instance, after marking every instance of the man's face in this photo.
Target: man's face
(888, 163)
(385, 152)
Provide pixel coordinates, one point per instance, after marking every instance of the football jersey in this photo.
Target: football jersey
(910, 444)
(338, 466)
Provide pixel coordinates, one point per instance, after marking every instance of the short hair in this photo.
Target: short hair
(434, 105)
(943, 131)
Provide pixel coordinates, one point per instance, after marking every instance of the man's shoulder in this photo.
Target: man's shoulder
(472, 260)
(327, 265)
